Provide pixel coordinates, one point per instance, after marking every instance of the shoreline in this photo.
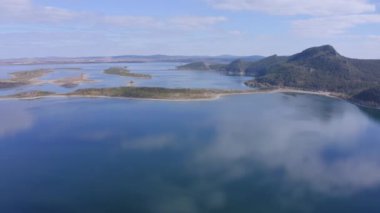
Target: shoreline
(64, 96)
(212, 97)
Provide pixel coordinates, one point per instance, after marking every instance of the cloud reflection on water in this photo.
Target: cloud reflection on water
(255, 152)
(312, 143)
(14, 117)
(293, 137)
(150, 143)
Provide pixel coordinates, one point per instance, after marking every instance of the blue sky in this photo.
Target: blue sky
(38, 28)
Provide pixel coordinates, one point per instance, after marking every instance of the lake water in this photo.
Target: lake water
(163, 75)
(250, 153)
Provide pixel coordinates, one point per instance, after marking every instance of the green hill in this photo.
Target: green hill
(318, 68)
(202, 66)
(195, 66)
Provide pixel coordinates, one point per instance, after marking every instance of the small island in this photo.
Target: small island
(30, 75)
(24, 78)
(72, 82)
(8, 84)
(124, 71)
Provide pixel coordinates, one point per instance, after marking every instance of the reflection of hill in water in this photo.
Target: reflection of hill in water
(326, 108)
(373, 114)
(292, 134)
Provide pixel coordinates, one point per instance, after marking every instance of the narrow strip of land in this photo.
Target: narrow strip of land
(152, 93)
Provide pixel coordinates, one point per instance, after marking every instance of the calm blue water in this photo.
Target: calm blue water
(163, 75)
(251, 153)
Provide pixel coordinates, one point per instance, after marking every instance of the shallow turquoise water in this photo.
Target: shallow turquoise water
(250, 153)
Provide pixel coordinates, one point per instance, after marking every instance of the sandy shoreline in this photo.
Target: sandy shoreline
(214, 97)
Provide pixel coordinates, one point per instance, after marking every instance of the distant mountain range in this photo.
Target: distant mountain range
(123, 59)
(315, 69)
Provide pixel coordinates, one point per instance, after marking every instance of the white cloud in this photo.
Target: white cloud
(183, 23)
(235, 32)
(333, 25)
(24, 11)
(191, 22)
(298, 7)
(328, 17)
(130, 21)
(374, 37)
(14, 6)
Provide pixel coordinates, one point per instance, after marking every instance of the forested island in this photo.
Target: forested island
(124, 71)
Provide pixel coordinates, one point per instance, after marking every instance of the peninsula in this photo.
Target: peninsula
(155, 93)
(314, 69)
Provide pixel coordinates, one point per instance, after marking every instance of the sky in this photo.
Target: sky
(43, 28)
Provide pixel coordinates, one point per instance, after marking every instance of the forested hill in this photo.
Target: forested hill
(323, 69)
(317, 69)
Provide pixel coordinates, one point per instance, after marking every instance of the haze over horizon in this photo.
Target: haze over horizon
(72, 28)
